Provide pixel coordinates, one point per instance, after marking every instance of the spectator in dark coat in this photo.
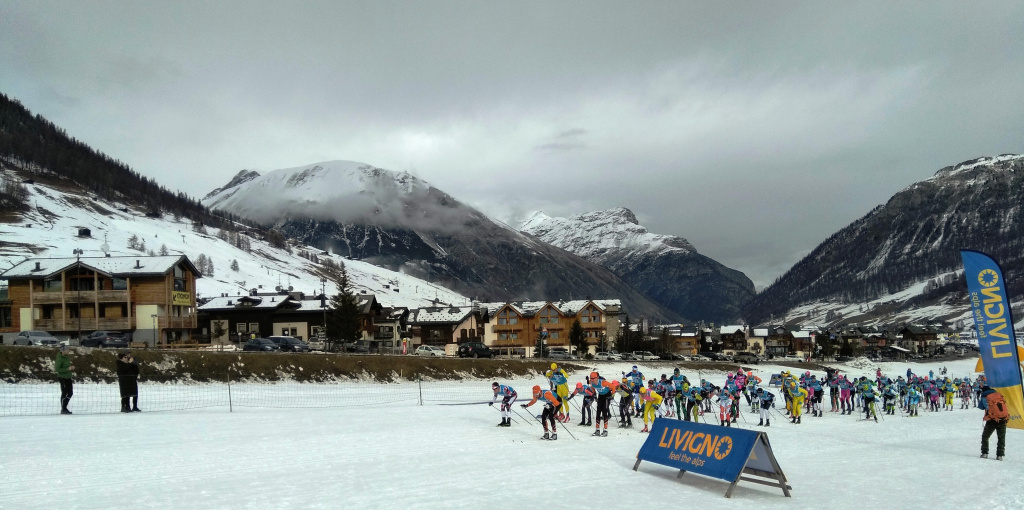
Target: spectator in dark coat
(128, 380)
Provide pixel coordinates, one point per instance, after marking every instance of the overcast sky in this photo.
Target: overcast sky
(753, 129)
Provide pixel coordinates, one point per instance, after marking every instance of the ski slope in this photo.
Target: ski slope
(402, 455)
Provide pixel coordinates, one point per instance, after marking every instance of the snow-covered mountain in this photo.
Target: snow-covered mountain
(666, 268)
(901, 261)
(401, 222)
(58, 209)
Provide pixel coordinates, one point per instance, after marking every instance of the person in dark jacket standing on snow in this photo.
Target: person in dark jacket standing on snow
(62, 365)
(997, 415)
(128, 380)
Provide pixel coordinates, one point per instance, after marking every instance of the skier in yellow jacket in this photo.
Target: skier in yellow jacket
(652, 401)
(560, 384)
(797, 396)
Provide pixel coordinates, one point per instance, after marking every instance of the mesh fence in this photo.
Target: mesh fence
(154, 394)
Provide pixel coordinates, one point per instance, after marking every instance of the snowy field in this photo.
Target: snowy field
(403, 455)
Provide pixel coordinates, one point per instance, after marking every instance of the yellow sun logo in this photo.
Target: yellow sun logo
(723, 448)
(988, 278)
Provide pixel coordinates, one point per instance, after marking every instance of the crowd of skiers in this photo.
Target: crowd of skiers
(675, 396)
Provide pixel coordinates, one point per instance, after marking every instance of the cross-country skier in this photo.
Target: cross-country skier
(637, 378)
(889, 396)
(766, 401)
(587, 393)
(724, 399)
(605, 393)
(551, 402)
(652, 401)
(950, 393)
(845, 395)
(626, 392)
(814, 385)
(913, 400)
(797, 395)
(693, 401)
(560, 384)
(679, 386)
(741, 382)
(508, 397)
(867, 392)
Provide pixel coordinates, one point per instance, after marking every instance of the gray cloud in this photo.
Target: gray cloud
(753, 130)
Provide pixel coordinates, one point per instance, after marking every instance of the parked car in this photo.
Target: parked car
(106, 339)
(475, 350)
(40, 338)
(645, 356)
(289, 343)
(717, 356)
(606, 356)
(746, 357)
(315, 344)
(430, 350)
(670, 356)
(260, 345)
(699, 357)
(561, 353)
(628, 357)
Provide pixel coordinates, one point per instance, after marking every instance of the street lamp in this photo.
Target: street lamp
(78, 286)
(154, 330)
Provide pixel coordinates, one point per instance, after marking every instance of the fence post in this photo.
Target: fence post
(419, 382)
(231, 408)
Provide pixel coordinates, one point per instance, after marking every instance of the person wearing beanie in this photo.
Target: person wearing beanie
(997, 415)
(128, 381)
(65, 371)
(508, 397)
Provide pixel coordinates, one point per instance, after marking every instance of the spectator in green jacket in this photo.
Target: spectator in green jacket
(62, 365)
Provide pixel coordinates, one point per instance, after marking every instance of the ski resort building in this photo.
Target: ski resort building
(151, 298)
(516, 329)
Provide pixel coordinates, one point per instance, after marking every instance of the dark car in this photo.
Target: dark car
(289, 343)
(671, 356)
(475, 350)
(746, 357)
(260, 345)
(717, 356)
(628, 357)
(106, 339)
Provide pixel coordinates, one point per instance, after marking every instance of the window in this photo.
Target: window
(553, 335)
(508, 317)
(508, 336)
(591, 314)
(52, 286)
(119, 284)
(254, 327)
(549, 315)
(179, 279)
(242, 327)
(5, 317)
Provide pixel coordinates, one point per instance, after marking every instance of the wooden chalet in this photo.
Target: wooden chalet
(153, 299)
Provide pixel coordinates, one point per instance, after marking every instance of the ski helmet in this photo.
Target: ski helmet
(536, 390)
(554, 366)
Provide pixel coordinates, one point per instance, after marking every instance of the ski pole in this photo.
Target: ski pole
(499, 410)
(570, 432)
(521, 416)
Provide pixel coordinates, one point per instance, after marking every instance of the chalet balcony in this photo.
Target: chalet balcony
(87, 324)
(504, 328)
(172, 322)
(85, 296)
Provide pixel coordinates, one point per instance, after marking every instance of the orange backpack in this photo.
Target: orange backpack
(997, 407)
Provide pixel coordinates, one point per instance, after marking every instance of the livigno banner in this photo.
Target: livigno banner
(991, 311)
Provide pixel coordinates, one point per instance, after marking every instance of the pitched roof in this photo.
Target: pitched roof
(440, 315)
(110, 266)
